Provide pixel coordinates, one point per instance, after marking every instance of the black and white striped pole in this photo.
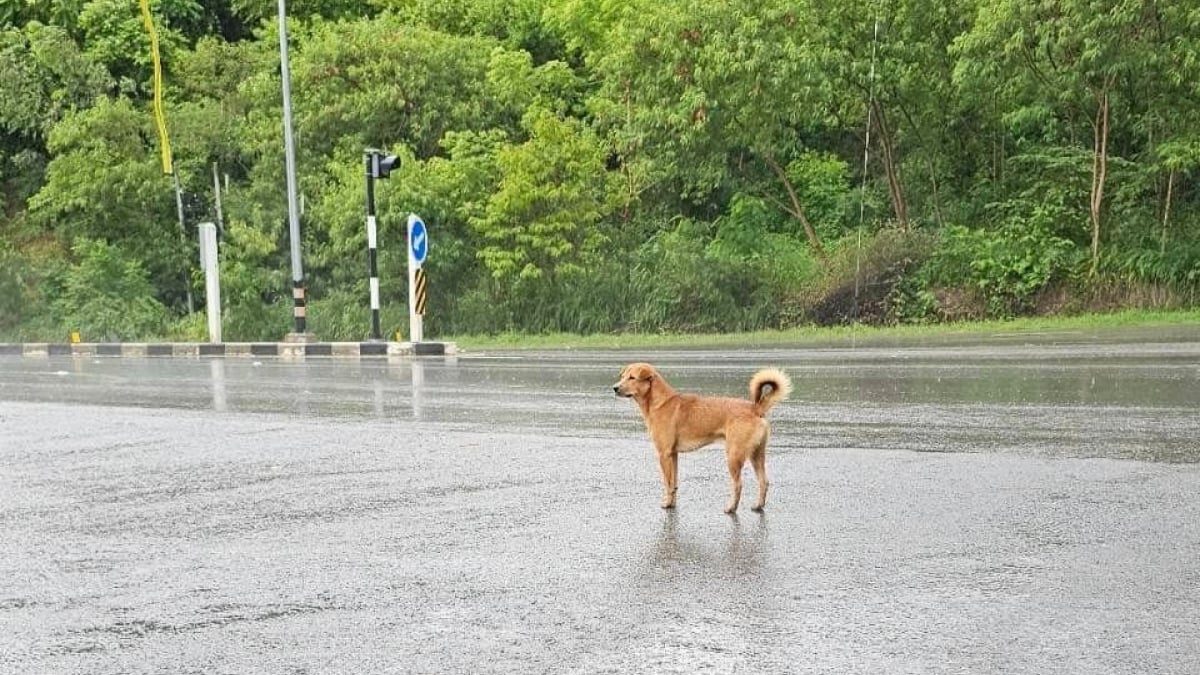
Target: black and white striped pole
(378, 165)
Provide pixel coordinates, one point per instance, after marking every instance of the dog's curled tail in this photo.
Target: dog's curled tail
(768, 387)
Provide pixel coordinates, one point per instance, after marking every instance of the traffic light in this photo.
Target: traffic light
(380, 165)
(387, 163)
(195, 207)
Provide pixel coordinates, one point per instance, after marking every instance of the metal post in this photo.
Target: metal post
(217, 200)
(372, 165)
(299, 311)
(187, 283)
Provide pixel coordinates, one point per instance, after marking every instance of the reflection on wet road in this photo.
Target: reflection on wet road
(1110, 400)
(993, 508)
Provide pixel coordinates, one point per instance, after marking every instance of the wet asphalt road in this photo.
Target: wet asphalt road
(1024, 505)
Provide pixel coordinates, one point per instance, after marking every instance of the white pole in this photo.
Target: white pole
(414, 319)
(212, 279)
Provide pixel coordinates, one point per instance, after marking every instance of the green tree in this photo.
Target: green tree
(378, 83)
(114, 35)
(722, 91)
(893, 58)
(107, 295)
(105, 183)
(546, 219)
(43, 75)
(1067, 62)
(256, 12)
(515, 23)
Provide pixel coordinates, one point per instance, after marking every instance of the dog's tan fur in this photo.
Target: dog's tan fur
(685, 422)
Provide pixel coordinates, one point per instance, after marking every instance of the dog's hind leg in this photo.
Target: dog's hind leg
(759, 460)
(674, 475)
(736, 461)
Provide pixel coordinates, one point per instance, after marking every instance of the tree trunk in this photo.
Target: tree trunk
(998, 150)
(795, 209)
(1099, 169)
(937, 199)
(626, 160)
(1167, 211)
(899, 205)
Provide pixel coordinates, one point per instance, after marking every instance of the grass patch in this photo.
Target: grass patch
(836, 336)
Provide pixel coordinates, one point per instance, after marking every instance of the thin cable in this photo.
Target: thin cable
(862, 200)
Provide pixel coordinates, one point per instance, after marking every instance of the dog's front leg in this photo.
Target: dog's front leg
(668, 461)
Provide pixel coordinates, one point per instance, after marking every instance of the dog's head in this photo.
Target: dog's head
(636, 380)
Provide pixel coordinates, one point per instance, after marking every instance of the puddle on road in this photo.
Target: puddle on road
(1104, 399)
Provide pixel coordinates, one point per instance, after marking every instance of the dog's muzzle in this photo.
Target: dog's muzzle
(618, 392)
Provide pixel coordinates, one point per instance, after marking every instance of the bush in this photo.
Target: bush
(732, 275)
(1007, 266)
(868, 278)
(12, 287)
(1174, 265)
(189, 328)
(676, 286)
(107, 296)
(254, 319)
(345, 316)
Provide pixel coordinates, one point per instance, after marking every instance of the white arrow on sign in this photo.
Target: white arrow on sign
(418, 241)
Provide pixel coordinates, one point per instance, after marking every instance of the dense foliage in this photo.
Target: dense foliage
(602, 165)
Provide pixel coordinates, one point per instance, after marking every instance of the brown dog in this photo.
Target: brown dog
(684, 422)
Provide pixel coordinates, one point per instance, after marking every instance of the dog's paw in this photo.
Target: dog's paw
(757, 508)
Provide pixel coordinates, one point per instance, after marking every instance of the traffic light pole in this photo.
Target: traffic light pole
(378, 165)
(372, 165)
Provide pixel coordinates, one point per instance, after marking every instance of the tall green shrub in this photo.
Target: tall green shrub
(1007, 265)
(107, 296)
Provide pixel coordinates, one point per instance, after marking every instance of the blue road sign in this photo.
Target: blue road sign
(418, 239)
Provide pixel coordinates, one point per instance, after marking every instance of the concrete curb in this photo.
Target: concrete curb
(285, 350)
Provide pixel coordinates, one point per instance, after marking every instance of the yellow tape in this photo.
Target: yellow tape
(160, 119)
(420, 279)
